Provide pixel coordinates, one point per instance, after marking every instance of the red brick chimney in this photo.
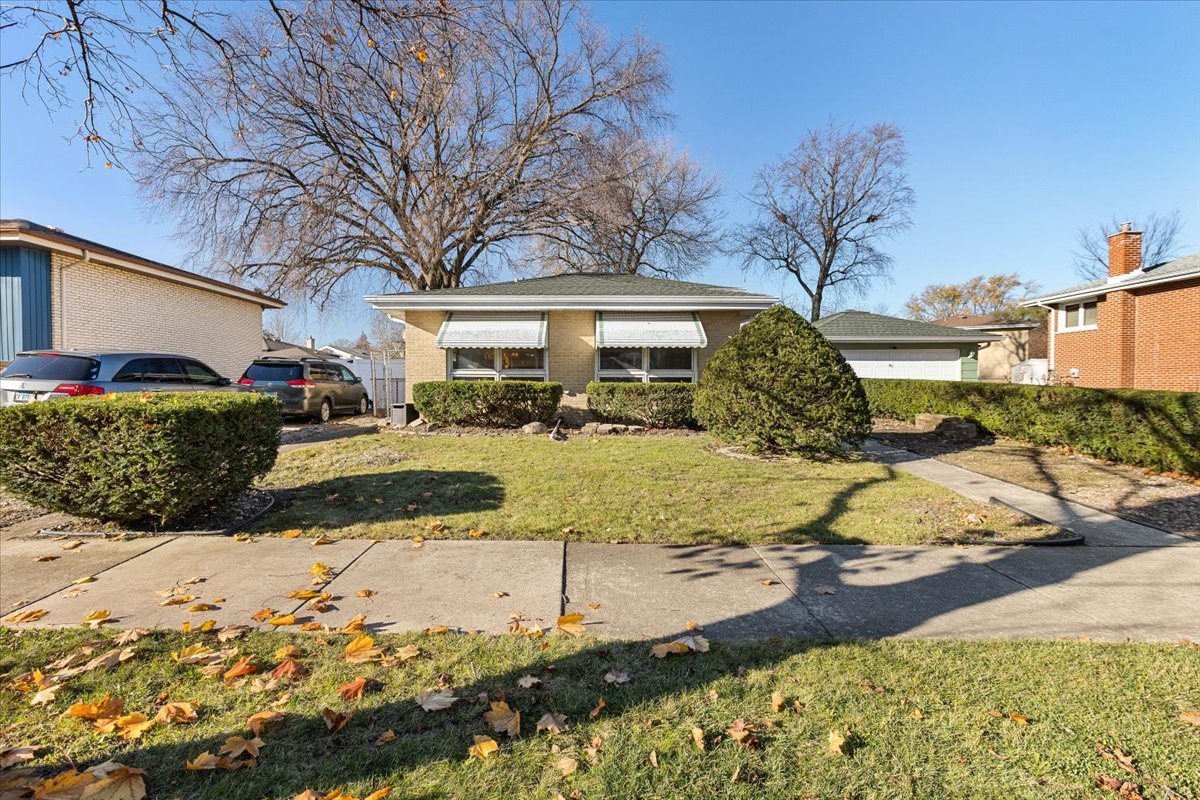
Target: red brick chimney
(1124, 251)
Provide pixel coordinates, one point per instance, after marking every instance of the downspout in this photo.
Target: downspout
(1051, 315)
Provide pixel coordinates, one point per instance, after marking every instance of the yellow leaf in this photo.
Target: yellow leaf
(571, 624)
(367, 593)
(356, 624)
(106, 707)
(259, 722)
(777, 701)
(116, 782)
(503, 719)
(362, 648)
(1190, 717)
(387, 737)
(436, 630)
(1020, 719)
(97, 618)
(132, 726)
(483, 748)
(320, 540)
(379, 794)
(698, 737)
(263, 614)
(595, 712)
(837, 743)
(291, 534)
(207, 625)
(566, 765)
(85, 579)
(198, 607)
(304, 594)
(204, 761)
(321, 571)
(26, 615)
(178, 600)
(475, 533)
(283, 619)
(236, 746)
(176, 712)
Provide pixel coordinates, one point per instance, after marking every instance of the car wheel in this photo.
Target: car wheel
(363, 406)
(326, 411)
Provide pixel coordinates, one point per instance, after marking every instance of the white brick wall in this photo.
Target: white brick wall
(96, 307)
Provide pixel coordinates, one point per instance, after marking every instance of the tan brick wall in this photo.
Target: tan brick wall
(423, 361)
(97, 307)
(571, 336)
(718, 326)
(1147, 339)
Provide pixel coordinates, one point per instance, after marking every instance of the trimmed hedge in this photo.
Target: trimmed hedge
(491, 404)
(655, 405)
(1159, 430)
(778, 385)
(138, 457)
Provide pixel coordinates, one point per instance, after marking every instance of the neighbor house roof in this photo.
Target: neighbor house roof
(23, 233)
(862, 326)
(280, 349)
(1179, 269)
(983, 322)
(604, 292)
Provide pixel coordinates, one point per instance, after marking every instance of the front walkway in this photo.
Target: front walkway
(1129, 581)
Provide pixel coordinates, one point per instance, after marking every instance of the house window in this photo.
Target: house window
(646, 365)
(496, 364)
(1078, 316)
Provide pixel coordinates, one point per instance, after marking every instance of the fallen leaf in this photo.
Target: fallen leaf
(475, 533)
(176, 712)
(838, 744)
(434, 700)
(291, 533)
(362, 648)
(282, 619)
(178, 600)
(204, 761)
(528, 681)
(566, 765)
(241, 537)
(198, 607)
(72, 545)
(595, 712)
(231, 632)
(118, 782)
(387, 737)
(303, 594)
(1116, 754)
(483, 748)
(1190, 717)
(571, 624)
(824, 590)
(366, 592)
(698, 737)
(552, 723)
(43, 559)
(236, 746)
(106, 708)
(1020, 719)
(379, 794)
(335, 720)
(654, 758)
(616, 676)
(288, 668)
(84, 579)
(321, 572)
(499, 594)
(260, 721)
(132, 726)
(593, 605)
(356, 624)
(320, 540)
(777, 702)
(407, 653)
(263, 614)
(26, 615)
(10, 757)
(436, 630)
(684, 644)
(244, 666)
(354, 689)
(503, 719)
(1124, 789)
(97, 618)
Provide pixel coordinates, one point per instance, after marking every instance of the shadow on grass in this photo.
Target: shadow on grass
(403, 494)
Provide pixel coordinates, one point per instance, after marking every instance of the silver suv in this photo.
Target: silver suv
(49, 374)
(309, 387)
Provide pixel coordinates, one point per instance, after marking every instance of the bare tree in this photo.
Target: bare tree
(1160, 242)
(822, 211)
(99, 58)
(642, 209)
(417, 143)
(981, 295)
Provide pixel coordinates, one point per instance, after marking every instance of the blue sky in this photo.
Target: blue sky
(1024, 122)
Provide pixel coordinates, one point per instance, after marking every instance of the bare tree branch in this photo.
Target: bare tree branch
(1160, 242)
(822, 210)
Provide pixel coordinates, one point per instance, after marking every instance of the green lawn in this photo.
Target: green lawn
(628, 488)
(929, 720)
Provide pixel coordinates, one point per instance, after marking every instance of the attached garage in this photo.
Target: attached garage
(878, 346)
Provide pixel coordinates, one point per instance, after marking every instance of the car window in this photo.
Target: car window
(347, 375)
(198, 373)
(268, 372)
(154, 369)
(52, 367)
(322, 372)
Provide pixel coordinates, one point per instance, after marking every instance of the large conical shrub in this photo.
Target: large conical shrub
(778, 386)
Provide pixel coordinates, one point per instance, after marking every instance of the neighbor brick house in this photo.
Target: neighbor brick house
(65, 292)
(1138, 328)
(570, 329)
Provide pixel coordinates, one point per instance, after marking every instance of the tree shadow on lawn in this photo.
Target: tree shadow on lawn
(380, 497)
(874, 592)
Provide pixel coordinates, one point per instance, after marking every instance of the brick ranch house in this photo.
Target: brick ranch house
(570, 329)
(1138, 328)
(65, 292)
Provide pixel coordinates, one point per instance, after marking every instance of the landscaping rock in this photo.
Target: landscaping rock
(608, 428)
(419, 422)
(947, 426)
(590, 428)
(534, 427)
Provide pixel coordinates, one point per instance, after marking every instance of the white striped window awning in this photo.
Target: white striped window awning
(518, 329)
(647, 329)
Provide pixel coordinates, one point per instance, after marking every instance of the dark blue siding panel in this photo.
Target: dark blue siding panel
(24, 300)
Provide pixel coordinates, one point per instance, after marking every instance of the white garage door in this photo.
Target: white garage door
(936, 365)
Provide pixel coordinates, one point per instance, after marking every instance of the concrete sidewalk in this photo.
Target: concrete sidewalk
(631, 591)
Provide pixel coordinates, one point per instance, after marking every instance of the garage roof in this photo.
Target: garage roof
(861, 326)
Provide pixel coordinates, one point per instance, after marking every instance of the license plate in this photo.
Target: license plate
(22, 397)
(271, 394)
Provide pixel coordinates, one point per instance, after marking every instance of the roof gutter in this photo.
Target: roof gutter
(1119, 286)
(173, 274)
(416, 302)
(983, 337)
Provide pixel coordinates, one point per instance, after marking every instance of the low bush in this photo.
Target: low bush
(138, 457)
(492, 404)
(655, 405)
(778, 385)
(1160, 430)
